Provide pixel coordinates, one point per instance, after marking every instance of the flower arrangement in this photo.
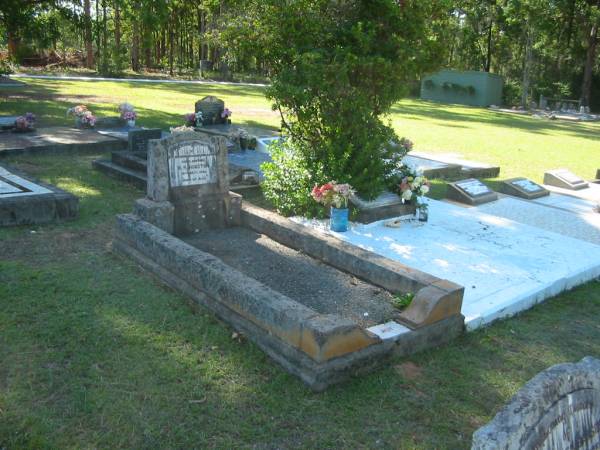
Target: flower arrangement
(127, 111)
(226, 114)
(83, 116)
(194, 119)
(412, 183)
(25, 123)
(332, 194)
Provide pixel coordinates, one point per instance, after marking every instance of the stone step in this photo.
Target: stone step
(130, 160)
(135, 177)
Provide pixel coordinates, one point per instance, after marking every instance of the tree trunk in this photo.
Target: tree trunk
(527, 67)
(171, 36)
(13, 43)
(87, 36)
(118, 28)
(586, 87)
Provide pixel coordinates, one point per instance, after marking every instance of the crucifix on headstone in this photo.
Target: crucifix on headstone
(188, 187)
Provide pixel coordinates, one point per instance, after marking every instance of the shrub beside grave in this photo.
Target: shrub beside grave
(337, 68)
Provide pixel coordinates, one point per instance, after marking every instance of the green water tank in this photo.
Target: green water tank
(466, 88)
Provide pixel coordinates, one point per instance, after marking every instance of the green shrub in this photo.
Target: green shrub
(336, 70)
(288, 182)
(6, 67)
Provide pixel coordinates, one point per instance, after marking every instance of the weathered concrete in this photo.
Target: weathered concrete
(385, 206)
(558, 409)
(58, 140)
(27, 201)
(565, 179)
(435, 299)
(319, 349)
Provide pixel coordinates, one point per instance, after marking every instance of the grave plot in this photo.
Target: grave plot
(473, 169)
(470, 192)
(572, 185)
(58, 140)
(523, 188)
(27, 202)
(505, 266)
(562, 214)
(316, 305)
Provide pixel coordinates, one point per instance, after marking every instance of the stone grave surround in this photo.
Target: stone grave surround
(24, 201)
(188, 187)
(558, 409)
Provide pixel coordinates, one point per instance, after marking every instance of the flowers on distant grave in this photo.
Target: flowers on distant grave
(194, 119)
(127, 111)
(412, 183)
(83, 115)
(332, 194)
(226, 113)
(26, 122)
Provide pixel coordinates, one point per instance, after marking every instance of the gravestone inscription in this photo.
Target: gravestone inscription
(564, 178)
(523, 188)
(188, 187)
(557, 409)
(138, 139)
(470, 191)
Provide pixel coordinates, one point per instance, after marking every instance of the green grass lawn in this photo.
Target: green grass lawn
(95, 353)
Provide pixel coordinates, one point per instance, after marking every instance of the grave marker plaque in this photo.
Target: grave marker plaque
(564, 178)
(188, 187)
(523, 188)
(138, 139)
(470, 191)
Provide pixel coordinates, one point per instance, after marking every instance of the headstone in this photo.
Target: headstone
(558, 409)
(211, 108)
(386, 205)
(109, 122)
(524, 188)
(471, 192)
(188, 188)
(138, 139)
(564, 178)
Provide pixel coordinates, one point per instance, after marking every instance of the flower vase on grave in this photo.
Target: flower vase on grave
(338, 219)
(243, 143)
(131, 123)
(423, 211)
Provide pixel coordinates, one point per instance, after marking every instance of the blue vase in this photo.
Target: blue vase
(338, 219)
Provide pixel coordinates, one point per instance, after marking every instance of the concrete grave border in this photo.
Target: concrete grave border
(321, 349)
(51, 204)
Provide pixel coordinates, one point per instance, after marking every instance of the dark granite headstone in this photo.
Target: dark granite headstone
(470, 191)
(138, 139)
(559, 409)
(188, 187)
(564, 178)
(523, 188)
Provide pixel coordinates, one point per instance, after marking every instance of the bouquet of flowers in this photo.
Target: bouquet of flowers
(226, 114)
(25, 123)
(83, 115)
(127, 111)
(332, 194)
(190, 119)
(412, 184)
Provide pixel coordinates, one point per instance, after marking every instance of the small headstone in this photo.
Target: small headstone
(386, 205)
(524, 188)
(109, 122)
(211, 108)
(188, 188)
(558, 409)
(564, 178)
(138, 139)
(471, 192)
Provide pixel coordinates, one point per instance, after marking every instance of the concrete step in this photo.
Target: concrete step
(135, 177)
(129, 160)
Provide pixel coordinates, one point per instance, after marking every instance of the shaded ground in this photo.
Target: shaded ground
(300, 277)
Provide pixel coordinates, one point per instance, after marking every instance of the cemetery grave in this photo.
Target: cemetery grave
(24, 201)
(199, 238)
(468, 168)
(523, 188)
(564, 179)
(505, 266)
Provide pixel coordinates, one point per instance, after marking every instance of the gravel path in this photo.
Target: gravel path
(300, 277)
